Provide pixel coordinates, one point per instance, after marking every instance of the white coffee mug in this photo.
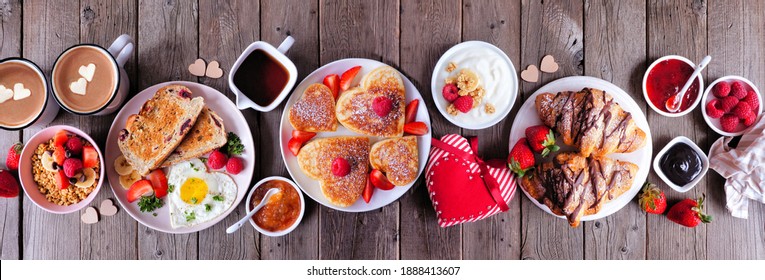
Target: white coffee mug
(49, 109)
(242, 101)
(119, 52)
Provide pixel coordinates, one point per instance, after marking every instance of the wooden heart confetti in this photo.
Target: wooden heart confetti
(108, 208)
(5, 93)
(531, 74)
(90, 216)
(213, 70)
(548, 64)
(197, 68)
(87, 71)
(19, 92)
(79, 87)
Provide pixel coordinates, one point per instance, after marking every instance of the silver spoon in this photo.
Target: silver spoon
(233, 228)
(673, 102)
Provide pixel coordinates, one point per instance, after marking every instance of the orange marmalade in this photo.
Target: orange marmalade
(281, 211)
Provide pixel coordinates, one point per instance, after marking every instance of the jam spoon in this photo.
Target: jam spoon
(249, 215)
(673, 102)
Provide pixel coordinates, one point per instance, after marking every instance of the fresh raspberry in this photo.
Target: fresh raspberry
(74, 145)
(340, 167)
(727, 103)
(742, 110)
(729, 122)
(712, 110)
(749, 121)
(753, 101)
(737, 89)
(450, 92)
(14, 154)
(382, 105)
(234, 165)
(464, 104)
(721, 89)
(72, 166)
(217, 160)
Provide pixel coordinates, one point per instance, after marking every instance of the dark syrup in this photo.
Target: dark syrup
(681, 164)
(261, 77)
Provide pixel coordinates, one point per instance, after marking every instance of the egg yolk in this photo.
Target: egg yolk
(193, 191)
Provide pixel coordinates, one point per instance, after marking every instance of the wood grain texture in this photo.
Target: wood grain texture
(10, 45)
(499, 23)
(167, 44)
(299, 19)
(113, 237)
(47, 235)
(735, 42)
(554, 28)
(676, 27)
(428, 29)
(614, 41)
(367, 29)
(229, 27)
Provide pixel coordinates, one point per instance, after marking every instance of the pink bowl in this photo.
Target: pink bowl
(27, 178)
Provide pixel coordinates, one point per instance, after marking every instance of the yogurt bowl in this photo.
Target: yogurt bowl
(496, 75)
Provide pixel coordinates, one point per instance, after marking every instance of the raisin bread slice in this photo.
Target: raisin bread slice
(208, 134)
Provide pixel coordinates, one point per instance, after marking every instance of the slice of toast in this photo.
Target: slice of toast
(208, 134)
(159, 127)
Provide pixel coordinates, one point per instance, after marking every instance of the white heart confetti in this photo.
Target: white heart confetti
(5, 94)
(79, 87)
(87, 71)
(19, 92)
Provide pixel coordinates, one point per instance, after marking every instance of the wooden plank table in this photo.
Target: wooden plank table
(612, 40)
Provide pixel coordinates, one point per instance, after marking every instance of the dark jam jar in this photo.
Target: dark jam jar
(668, 77)
(681, 164)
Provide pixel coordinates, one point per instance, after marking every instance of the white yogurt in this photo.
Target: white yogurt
(495, 76)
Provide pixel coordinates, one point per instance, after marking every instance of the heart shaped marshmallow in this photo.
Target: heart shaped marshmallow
(79, 87)
(20, 92)
(5, 93)
(87, 71)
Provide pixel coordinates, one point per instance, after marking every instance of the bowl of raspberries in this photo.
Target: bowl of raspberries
(732, 105)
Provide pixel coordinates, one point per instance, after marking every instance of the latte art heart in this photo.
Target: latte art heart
(79, 87)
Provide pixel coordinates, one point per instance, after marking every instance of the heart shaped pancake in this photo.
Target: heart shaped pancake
(316, 157)
(355, 106)
(397, 158)
(315, 111)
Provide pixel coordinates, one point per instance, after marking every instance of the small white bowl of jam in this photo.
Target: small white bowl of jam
(284, 210)
(681, 164)
(665, 77)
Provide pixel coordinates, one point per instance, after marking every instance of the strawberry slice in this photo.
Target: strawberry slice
(369, 190)
(302, 136)
(333, 83)
(60, 138)
(411, 110)
(59, 155)
(158, 182)
(416, 128)
(89, 157)
(61, 180)
(347, 78)
(138, 189)
(294, 145)
(380, 181)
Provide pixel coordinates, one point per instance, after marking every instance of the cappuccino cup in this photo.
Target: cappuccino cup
(24, 97)
(90, 80)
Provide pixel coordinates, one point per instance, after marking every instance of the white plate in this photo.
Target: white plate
(439, 74)
(310, 186)
(527, 116)
(233, 120)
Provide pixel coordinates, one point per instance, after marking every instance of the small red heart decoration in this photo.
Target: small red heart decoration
(456, 186)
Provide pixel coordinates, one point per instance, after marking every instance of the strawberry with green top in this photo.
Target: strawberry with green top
(541, 139)
(521, 159)
(14, 154)
(652, 199)
(689, 212)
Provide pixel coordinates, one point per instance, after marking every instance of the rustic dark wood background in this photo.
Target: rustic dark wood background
(612, 40)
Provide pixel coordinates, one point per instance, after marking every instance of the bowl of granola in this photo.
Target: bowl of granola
(60, 169)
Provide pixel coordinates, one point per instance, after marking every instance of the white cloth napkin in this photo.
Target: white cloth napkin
(743, 167)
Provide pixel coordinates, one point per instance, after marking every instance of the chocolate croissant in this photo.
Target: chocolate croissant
(591, 121)
(574, 186)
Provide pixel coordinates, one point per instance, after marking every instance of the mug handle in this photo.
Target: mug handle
(286, 44)
(122, 49)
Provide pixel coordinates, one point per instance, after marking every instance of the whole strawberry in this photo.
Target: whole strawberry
(652, 199)
(14, 153)
(8, 185)
(541, 139)
(688, 212)
(521, 159)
